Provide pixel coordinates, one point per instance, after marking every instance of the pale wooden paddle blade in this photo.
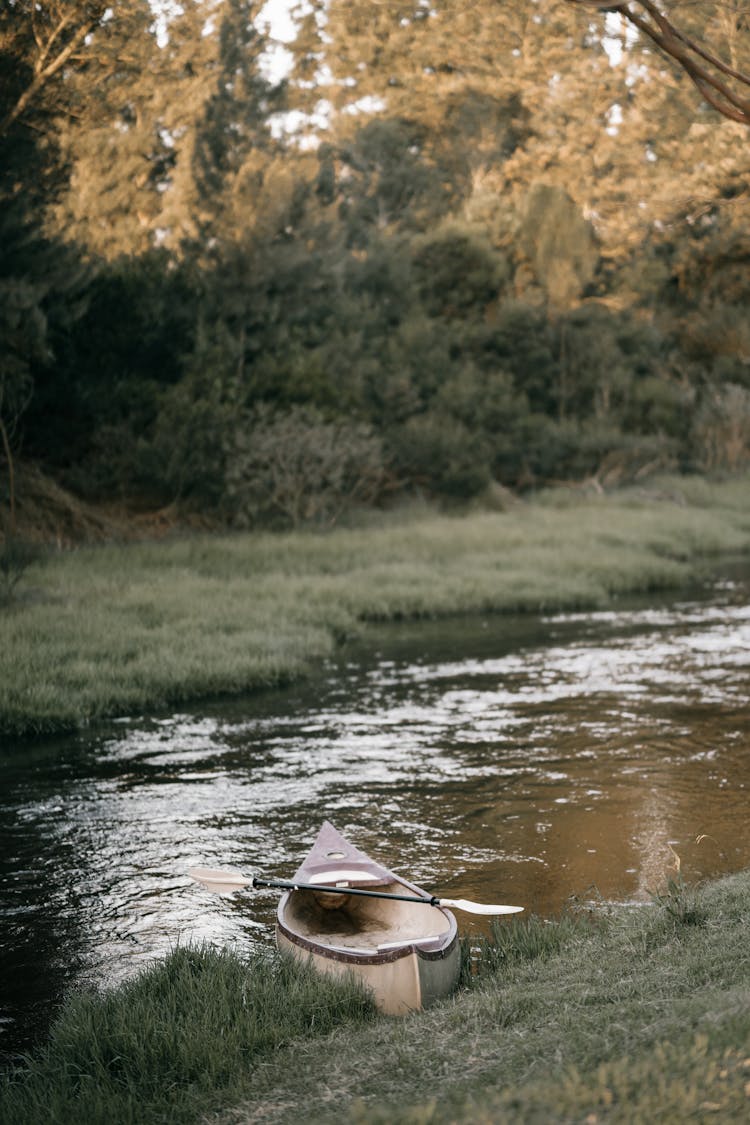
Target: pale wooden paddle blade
(220, 882)
(479, 907)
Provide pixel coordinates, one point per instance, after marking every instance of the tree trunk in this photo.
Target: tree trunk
(11, 476)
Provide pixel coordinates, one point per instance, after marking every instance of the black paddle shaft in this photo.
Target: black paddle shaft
(289, 885)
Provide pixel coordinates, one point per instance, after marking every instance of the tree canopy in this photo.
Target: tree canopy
(455, 246)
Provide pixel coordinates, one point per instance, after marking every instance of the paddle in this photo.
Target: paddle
(224, 882)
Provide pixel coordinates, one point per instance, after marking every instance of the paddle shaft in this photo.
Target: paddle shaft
(290, 885)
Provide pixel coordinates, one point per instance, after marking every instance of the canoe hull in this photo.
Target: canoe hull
(407, 954)
(401, 980)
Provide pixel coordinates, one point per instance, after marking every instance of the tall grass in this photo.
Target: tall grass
(183, 1037)
(105, 631)
(525, 939)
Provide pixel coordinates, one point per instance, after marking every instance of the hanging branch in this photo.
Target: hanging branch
(707, 71)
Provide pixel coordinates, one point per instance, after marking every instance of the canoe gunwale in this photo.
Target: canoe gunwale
(384, 957)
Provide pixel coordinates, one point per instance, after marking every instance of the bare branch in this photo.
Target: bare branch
(705, 69)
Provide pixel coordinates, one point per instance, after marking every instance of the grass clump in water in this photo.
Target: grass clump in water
(178, 1040)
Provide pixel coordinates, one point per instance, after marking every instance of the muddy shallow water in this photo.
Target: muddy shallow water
(513, 759)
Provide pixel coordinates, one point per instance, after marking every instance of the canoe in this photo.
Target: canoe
(406, 953)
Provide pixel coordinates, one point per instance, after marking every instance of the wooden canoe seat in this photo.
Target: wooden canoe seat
(430, 939)
(347, 876)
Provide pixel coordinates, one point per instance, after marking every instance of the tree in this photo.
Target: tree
(133, 134)
(513, 253)
(41, 44)
(164, 128)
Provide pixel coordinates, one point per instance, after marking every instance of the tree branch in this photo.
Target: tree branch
(45, 48)
(706, 70)
(46, 67)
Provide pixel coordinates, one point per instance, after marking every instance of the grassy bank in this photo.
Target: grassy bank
(184, 1036)
(118, 629)
(640, 1015)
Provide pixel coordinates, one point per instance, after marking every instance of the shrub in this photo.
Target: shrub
(16, 556)
(184, 457)
(722, 429)
(441, 454)
(458, 274)
(296, 467)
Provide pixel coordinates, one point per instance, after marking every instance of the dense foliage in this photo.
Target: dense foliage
(455, 245)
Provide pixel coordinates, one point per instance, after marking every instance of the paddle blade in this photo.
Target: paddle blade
(479, 907)
(220, 882)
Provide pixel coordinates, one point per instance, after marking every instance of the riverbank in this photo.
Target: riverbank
(634, 1014)
(111, 630)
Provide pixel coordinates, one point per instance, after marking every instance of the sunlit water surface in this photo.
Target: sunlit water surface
(516, 759)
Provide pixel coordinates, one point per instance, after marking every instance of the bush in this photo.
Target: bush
(184, 458)
(722, 429)
(297, 467)
(458, 274)
(16, 556)
(440, 453)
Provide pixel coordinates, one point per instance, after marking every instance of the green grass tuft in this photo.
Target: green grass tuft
(525, 939)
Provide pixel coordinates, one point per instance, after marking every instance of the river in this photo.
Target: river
(536, 760)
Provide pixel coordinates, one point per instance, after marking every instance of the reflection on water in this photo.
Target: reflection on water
(523, 760)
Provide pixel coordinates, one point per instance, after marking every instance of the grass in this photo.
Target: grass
(104, 631)
(636, 1014)
(641, 1015)
(165, 1046)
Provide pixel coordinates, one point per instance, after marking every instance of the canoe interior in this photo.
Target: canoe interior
(406, 953)
(364, 925)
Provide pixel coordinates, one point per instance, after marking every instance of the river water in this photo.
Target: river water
(528, 760)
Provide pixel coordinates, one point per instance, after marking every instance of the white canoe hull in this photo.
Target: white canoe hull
(406, 953)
